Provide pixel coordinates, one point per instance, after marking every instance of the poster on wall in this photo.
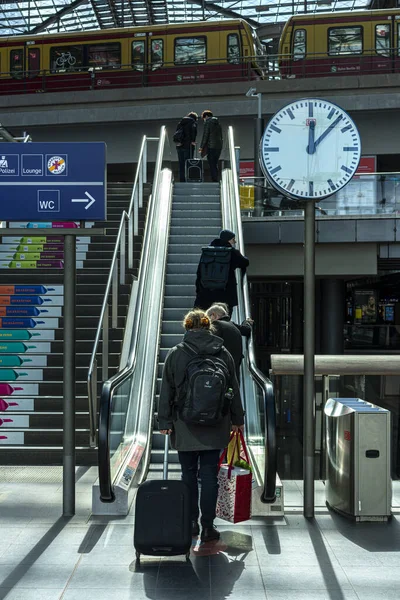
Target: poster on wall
(365, 306)
(359, 196)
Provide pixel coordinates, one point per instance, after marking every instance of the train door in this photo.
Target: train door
(158, 68)
(383, 47)
(139, 59)
(299, 58)
(24, 65)
(396, 44)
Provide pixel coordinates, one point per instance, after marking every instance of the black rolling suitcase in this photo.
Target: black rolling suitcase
(163, 525)
(194, 170)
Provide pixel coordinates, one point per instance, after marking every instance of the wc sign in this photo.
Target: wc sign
(48, 201)
(42, 181)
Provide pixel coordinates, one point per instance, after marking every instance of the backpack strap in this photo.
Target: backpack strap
(187, 349)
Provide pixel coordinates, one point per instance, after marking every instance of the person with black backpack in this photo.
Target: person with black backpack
(199, 406)
(185, 140)
(216, 280)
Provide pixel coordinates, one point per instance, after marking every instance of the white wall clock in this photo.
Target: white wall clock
(310, 149)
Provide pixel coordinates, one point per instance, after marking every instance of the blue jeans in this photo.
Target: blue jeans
(183, 155)
(209, 482)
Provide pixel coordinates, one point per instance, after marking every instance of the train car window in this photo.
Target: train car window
(299, 44)
(233, 49)
(190, 50)
(33, 61)
(138, 55)
(103, 56)
(382, 39)
(157, 54)
(66, 58)
(17, 63)
(345, 40)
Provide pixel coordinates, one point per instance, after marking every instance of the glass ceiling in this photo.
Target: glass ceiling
(35, 16)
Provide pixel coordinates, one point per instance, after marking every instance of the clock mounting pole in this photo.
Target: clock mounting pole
(309, 353)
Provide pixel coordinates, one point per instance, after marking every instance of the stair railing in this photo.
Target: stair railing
(117, 275)
(232, 220)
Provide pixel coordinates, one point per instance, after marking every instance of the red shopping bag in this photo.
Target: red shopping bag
(235, 485)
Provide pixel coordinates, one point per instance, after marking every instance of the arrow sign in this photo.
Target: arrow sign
(89, 199)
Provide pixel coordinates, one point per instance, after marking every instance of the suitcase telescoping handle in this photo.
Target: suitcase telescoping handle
(165, 463)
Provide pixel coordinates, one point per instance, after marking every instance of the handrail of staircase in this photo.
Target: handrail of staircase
(269, 491)
(106, 486)
(132, 219)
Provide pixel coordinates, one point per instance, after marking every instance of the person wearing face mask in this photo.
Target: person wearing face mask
(210, 292)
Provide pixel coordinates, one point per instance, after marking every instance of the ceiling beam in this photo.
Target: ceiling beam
(223, 11)
(57, 16)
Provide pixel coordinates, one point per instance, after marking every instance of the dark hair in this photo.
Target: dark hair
(206, 113)
(193, 115)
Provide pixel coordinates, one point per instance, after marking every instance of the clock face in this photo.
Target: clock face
(310, 149)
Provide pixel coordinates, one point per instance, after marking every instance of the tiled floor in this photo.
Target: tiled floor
(46, 557)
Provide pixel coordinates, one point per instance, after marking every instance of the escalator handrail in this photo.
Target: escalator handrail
(125, 216)
(269, 490)
(105, 482)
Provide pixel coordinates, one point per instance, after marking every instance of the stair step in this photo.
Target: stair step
(175, 314)
(179, 302)
(172, 327)
(181, 268)
(177, 290)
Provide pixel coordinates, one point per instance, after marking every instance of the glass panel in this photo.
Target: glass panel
(33, 61)
(190, 50)
(17, 63)
(104, 55)
(138, 56)
(345, 40)
(66, 58)
(382, 39)
(398, 39)
(233, 49)
(157, 54)
(119, 410)
(299, 44)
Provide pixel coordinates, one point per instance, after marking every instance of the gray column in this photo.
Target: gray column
(69, 376)
(332, 316)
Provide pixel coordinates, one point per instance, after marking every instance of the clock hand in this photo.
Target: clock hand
(323, 135)
(311, 133)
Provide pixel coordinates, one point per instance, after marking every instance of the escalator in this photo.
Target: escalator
(180, 220)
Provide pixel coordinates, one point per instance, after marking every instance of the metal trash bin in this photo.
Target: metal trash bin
(358, 481)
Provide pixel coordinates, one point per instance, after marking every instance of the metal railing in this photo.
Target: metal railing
(144, 313)
(75, 78)
(120, 260)
(367, 194)
(232, 216)
(240, 68)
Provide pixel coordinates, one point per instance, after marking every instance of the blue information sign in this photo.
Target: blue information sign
(53, 181)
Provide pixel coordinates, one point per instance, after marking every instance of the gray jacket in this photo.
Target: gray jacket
(196, 437)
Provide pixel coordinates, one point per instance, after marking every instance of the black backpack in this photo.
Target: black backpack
(215, 262)
(203, 398)
(179, 135)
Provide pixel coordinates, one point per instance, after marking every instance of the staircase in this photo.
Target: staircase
(31, 418)
(195, 221)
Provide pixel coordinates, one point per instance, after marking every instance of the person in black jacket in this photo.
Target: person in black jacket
(211, 142)
(229, 333)
(205, 297)
(185, 148)
(198, 446)
(246, 326)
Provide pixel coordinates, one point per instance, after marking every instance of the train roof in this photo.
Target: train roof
(352, 15)
(123, 31)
